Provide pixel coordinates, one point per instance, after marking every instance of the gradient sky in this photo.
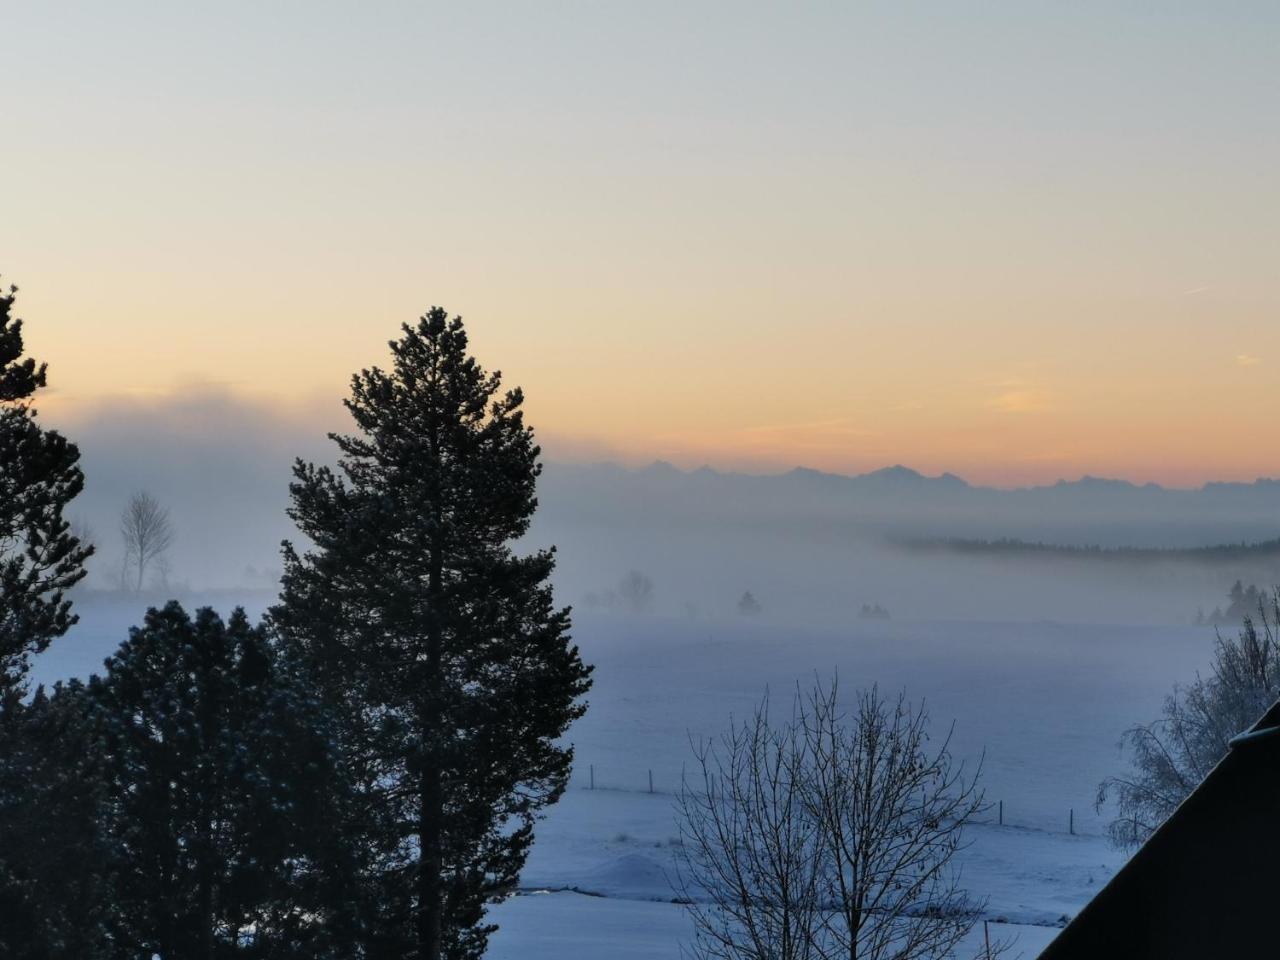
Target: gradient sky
(1015, 241)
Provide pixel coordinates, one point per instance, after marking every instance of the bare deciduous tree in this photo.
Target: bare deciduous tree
(148, 533)
(636, 591)
(748, 855)
(828, 836)
(1170, 756)
(892, 812)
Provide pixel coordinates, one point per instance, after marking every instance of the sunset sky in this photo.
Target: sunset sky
(1014, 241)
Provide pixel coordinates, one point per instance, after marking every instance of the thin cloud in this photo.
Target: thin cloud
(1244, 360)
(1017, 395)
(1193, 291)
(1020, 401)
(837, 426)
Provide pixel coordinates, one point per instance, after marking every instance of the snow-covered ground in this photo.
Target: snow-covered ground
(571, 926)
(620, 845)
(1045, 701)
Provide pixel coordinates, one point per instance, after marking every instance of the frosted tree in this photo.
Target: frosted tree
(1170, 756)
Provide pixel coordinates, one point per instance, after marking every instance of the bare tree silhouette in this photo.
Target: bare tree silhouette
(830, 835)
(148, 534)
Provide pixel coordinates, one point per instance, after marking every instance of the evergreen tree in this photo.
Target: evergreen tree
(39, 556)
(215, 768)
(45, 909)
(54, 879)
(438, 646)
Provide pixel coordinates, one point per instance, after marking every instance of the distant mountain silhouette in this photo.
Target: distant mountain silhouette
(899, 502)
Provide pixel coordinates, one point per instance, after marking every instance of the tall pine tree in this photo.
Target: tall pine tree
(40, 559)
(440, 648)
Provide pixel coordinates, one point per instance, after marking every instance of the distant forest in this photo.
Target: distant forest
(1006, 547)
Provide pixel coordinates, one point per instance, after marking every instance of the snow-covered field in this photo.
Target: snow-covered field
(571, 926)
(1045, 701)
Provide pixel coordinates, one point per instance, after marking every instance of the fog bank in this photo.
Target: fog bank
(809, 546)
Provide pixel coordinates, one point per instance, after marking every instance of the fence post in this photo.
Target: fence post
(1002, 813)
(986, 935)
(651, 781)
(1071, 828)
(593, 777)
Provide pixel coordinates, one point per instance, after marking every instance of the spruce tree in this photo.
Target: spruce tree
(214, 771)
(40, 559)
(54, 873)
(438, 646)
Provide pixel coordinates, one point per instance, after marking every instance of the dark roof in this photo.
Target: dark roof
(1204, 884)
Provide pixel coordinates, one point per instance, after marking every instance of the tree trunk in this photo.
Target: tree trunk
(431, 810)
(430, 894)
(204, 882)
(206, 911)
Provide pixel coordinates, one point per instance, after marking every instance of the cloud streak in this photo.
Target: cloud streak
(1020, 401)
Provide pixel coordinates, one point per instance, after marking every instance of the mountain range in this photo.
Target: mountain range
(898, 502)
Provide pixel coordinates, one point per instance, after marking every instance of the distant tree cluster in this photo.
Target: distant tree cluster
(873, 611)
(359, 775)
(634, 593)
(1170, 756)
(1242, 602)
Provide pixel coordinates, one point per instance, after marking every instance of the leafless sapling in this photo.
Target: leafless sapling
(828, 836)
(148, 533)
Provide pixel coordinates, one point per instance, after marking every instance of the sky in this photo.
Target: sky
(1014, 241)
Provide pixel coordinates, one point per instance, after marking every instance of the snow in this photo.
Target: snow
(621, 845)
(1046, 701)
(571, 926)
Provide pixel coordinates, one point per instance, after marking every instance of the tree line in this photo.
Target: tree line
(1222, 553)
(357, 775)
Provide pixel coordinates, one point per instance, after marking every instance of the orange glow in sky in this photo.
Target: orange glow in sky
(1028, 248)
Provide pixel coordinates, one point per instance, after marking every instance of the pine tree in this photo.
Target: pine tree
(45, 910)
(40, 559)
(439, 647)
(215, 771)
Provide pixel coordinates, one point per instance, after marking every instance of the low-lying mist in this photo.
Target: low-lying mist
(808, 547)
